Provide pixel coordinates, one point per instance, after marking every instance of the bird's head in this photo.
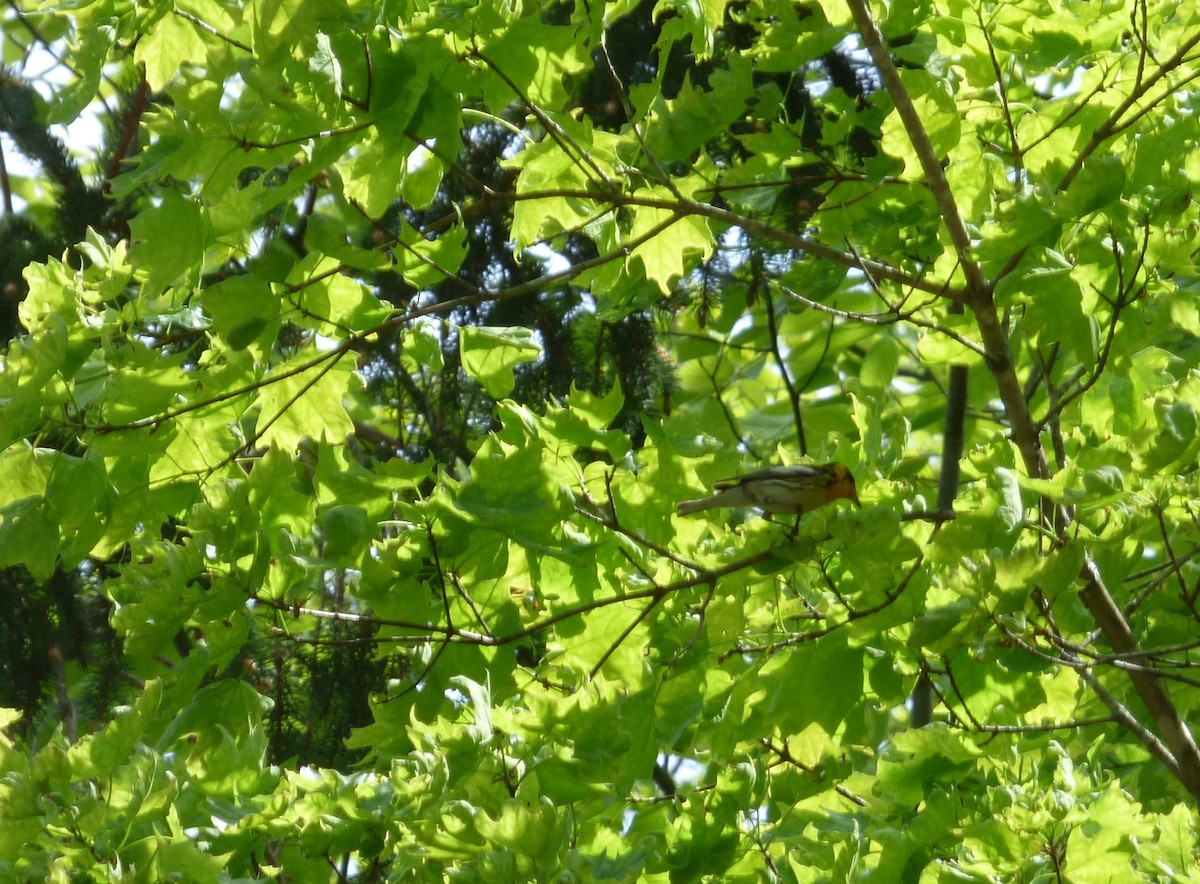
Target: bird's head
(842, 485)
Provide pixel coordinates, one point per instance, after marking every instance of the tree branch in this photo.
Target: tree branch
(930, 162)
(1184, 757)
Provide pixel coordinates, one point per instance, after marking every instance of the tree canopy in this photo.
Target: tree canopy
(356, 367)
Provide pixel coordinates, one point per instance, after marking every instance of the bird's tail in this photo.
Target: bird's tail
(688, 507)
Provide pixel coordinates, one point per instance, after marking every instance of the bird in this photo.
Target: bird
(793, 490)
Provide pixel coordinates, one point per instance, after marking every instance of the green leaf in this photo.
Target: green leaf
(169, 240)
(918, 758)
(163, 51)
(304, 399)
(241, 308)
(554, 187)
(1012, 510)
(328, 235)
(87, 60)
(1100, 181)
(423, 346)
(345, 531)
(879, 366)
(537, 55)
(490, 354)
(665, 254)
(677, 128)
(1176, 437)
(939, 115)
(29, 537)
(426, 262)
(812, 683)
(936, 627)
(598, 411)
(936, 349)
(371, 177)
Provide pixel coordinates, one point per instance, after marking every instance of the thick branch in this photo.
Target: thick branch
(1174, 732)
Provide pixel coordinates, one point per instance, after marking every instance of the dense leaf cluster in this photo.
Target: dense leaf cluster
(341, 446)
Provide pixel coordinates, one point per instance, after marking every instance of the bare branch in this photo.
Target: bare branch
(780, 362)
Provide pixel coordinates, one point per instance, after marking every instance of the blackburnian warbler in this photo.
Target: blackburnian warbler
(785, 490)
